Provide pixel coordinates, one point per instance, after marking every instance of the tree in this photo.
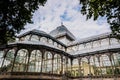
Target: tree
(103, 8)
(14, 14)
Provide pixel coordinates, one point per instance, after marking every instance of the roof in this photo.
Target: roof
(32, 31)
(88, 39)
(41, 33)
(61, 31)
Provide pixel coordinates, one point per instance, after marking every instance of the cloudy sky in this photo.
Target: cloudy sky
(54, 12)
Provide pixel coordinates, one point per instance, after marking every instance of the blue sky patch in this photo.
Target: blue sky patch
(65, 17)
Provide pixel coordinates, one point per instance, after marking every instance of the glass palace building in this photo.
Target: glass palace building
(59, 56)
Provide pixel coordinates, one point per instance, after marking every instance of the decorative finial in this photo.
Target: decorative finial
(61, 23)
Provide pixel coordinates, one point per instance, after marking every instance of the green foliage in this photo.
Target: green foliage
(109, 71)
(103, 8)
(14, 14)
(117, 71)
(68, 73)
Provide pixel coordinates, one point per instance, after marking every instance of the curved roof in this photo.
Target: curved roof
(41, 33)
(61, 31)
(32, 31)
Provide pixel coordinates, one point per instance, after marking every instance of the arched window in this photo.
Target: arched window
(84, 67)
(74, 48)
(105, 64)
(55, 44)
(21, 61)
(75, 62)
(9, 60)
(88, 46)
(57, 64)
(116, 59)
(47, 62)
(69, 49)
(43, 39)
(50, 41)
(27, 37)
(59, 46)
(116, 62)
(63, 48)
(35, 61)
(105, 42)
(96, 44)
(75, 67)
(22, 39)
(94, 66)
(81, 47)
(34, 38)
(114, 41)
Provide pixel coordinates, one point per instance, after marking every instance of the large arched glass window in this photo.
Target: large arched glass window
(21, 61)
(35, 61)
(105, 64)
(116, 59)
(94, 66)
(116, 62)
(75, 68)
(47, 62)
(57, 64)
(7, 66)
(84, 67)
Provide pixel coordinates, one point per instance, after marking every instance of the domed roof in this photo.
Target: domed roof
(60, 31)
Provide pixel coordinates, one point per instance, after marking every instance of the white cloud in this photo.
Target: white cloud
(67, 11)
